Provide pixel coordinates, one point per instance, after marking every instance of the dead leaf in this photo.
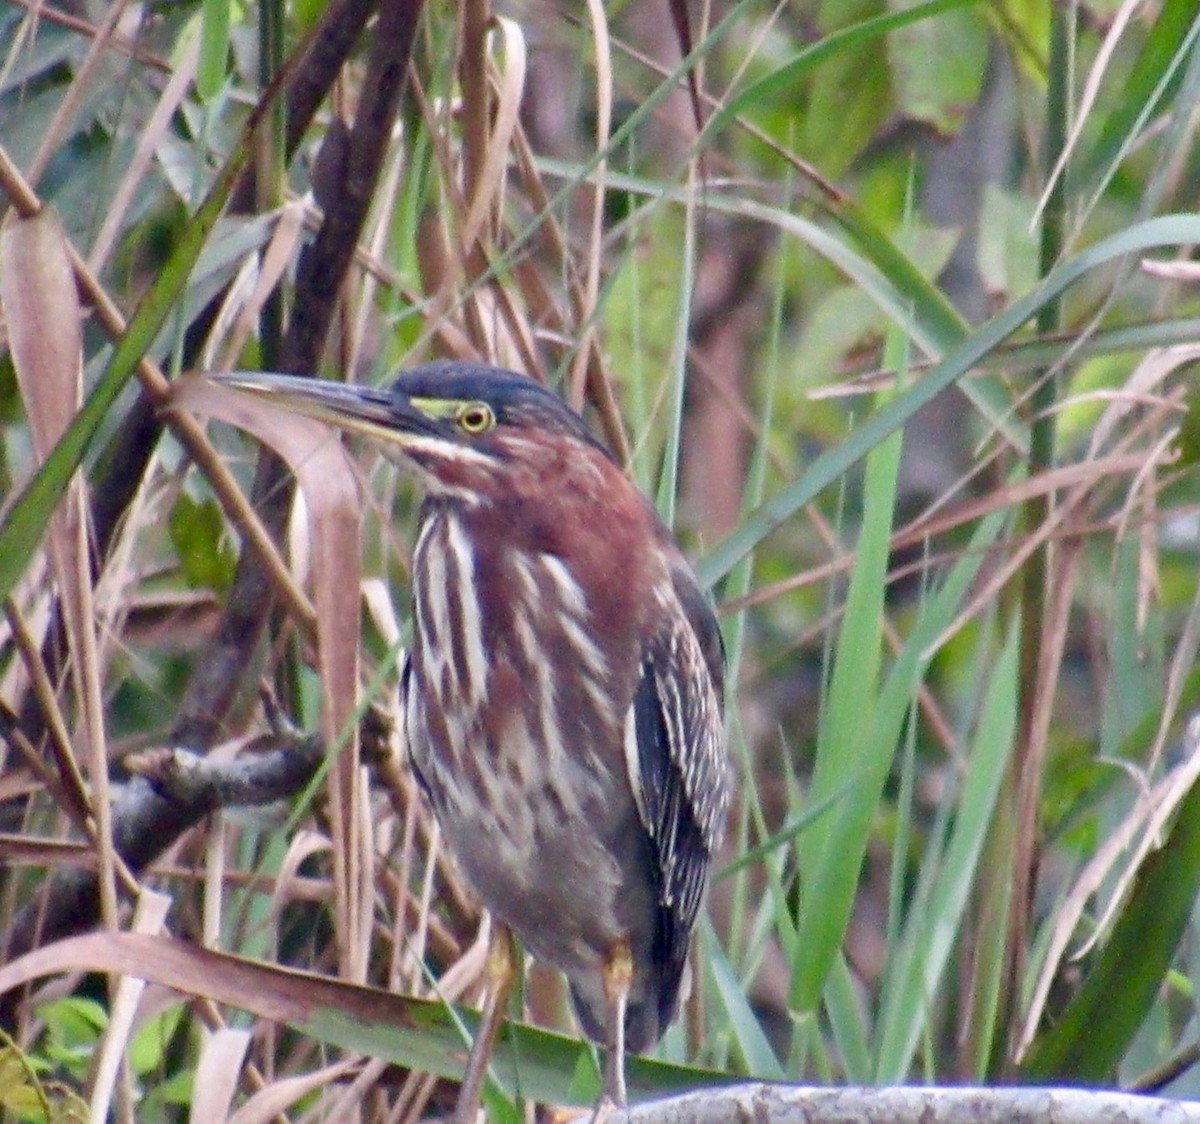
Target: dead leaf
(41, 307)
(329, 484)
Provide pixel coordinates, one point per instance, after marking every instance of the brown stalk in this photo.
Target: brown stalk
(79, 804)
(598, 385)
(457, 277)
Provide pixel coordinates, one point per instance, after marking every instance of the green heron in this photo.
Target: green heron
(562, 696)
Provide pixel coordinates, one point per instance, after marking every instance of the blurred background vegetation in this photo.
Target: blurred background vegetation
(891, 309)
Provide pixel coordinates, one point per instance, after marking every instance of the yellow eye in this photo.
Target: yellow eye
(476, 418)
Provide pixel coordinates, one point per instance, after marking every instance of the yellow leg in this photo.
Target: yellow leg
(618, 978)
(501, 968)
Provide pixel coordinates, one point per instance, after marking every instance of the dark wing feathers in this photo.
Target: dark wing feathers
(683, 773)
(704, 625)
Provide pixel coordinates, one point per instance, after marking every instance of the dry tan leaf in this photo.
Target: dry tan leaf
(282, 994)
(41, 306)
(1091, 91)
(381, 611)
(83, 74)
(242, 310)
(375, 249)
(492, 177)
(148, 918)
(37, 292)
(39, 850)
(417, 1033)
(303, 845)
(1081, 479)
(221, 1058)
(1132, 839)
(327, 479)
(281, 1095)
(1142, 388)
(1186, 271)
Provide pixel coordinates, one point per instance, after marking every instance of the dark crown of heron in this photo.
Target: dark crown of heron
(451, 417)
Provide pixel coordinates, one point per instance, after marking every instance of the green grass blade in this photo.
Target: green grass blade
(932, 927)
(668, 484)
(1170, 40)
(843, 1002)
(830, 853)
(759, 1059)
(214, 48)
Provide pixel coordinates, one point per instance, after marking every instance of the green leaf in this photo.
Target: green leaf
(420, 1034)
(197, 530)
(847, 99)
(783, 85)
(147, 1048)
(1170, 39)
(214, 48)
(830, 854)
(843, 1004)
(937, 66)
(935, 918)
(752, 1044)
(1007, 257)
(18, 1093)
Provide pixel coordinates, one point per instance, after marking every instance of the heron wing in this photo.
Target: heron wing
(682, 780)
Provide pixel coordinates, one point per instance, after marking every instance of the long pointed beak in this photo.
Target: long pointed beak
(383, 415)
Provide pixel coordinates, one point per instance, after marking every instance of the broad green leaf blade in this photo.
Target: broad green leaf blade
(420, 1034)
(938, 66)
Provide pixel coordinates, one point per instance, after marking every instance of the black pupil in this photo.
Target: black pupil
(474, 419)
